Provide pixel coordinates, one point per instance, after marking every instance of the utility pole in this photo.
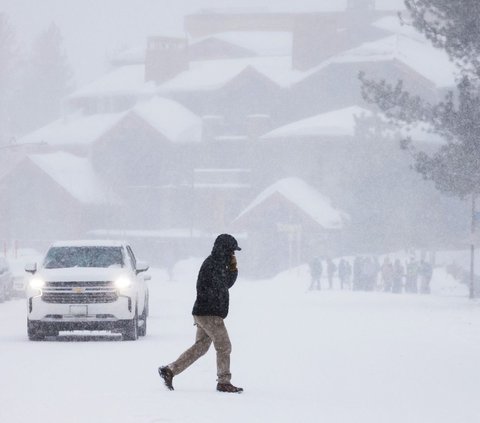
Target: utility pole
(472, 250)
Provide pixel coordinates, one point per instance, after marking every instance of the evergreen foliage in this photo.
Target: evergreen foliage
(455, 166)
(453, 25)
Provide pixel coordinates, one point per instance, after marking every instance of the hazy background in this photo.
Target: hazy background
(55, 123)
(94, 29)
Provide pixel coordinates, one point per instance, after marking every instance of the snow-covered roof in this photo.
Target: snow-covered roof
(306, 198)
(430, 62)
(392, 24)
(9, 160)
(338, 123)
(132, 55)
(75, 175)
(171, 119)
(73, 129)
(415, 53)
(422, 133)
(142, 233)
(343, 123)
(305, 6)
(214, 74)
(122, 81)
(261, 43)
(89, 243)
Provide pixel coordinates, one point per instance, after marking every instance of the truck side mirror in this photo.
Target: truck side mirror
(141, 267)
(31, 268)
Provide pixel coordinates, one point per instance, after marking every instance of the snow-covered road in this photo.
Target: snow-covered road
(301, 356)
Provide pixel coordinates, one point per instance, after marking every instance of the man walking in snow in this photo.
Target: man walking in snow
(217, 275)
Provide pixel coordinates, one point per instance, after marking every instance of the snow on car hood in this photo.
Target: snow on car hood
(87, 274)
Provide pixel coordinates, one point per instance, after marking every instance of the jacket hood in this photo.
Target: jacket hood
(225, 244)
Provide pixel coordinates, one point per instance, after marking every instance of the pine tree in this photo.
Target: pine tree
(454, 26)
(48, 79)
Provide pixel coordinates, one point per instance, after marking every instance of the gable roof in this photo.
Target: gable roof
(337, 123)
(259, 43)
(170, 118)
(431, 63)
(174, 121)
(73, 129)
(75, 175)
(317, 206)
(343, 123)
(122, 81)
(214, 74)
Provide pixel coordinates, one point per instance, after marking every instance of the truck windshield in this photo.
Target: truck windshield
(61, 257)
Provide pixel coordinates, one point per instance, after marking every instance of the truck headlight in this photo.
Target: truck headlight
(37, 283)
(123, 282)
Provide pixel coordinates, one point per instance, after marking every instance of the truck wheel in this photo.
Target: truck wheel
(142, 328)
(34, 334)
(130, 332)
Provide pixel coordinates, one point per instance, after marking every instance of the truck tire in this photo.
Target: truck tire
(142, 328)
(34, 332)
(130, 331)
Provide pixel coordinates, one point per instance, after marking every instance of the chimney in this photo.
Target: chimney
(166, 57)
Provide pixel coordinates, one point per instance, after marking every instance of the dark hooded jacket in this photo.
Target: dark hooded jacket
(215, 278)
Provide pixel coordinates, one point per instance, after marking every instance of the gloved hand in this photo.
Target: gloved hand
(233, 263)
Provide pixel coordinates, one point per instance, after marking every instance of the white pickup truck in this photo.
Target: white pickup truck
(88, 285)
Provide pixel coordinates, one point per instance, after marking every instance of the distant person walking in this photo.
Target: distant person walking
(344, 272)
(357, 273)
(411, 276)
(425, 272)
(331, 269)
(369, 273)
(216, 276)
(316, 270)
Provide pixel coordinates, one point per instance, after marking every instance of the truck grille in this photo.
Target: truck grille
(86, 298)
(79, 292)
(95, 284)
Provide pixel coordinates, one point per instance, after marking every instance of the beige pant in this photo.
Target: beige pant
(209, 329)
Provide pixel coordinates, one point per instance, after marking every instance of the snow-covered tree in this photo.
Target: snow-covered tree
(455, 166)
(48, 79)
(454, 26)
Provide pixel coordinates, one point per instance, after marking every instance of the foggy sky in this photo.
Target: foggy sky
(93, 29)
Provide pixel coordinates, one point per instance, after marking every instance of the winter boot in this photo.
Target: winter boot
(228, 387)
(167, 375)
